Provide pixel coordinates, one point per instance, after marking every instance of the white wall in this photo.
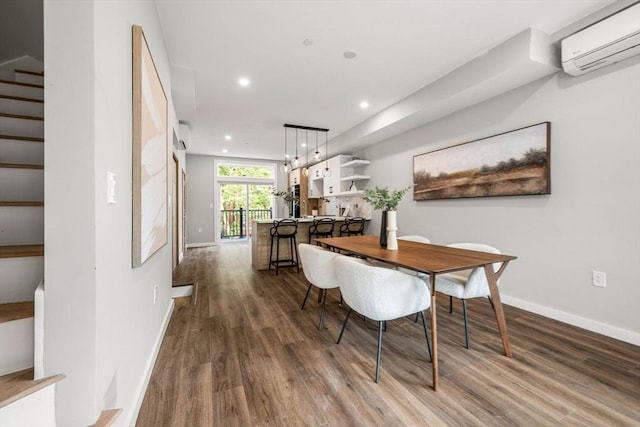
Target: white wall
(201, 197)
(589, 222)
(102, 326)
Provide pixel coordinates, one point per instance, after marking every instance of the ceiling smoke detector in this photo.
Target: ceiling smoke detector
(350, 54)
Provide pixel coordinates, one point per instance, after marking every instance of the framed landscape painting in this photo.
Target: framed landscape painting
(149, 217)
(508, 164)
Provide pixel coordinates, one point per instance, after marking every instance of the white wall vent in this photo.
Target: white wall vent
(606, 42)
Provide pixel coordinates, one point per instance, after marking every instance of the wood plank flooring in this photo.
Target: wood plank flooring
(246, 355)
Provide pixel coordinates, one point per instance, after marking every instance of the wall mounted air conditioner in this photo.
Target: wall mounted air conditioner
(606, 42)
(184, 136)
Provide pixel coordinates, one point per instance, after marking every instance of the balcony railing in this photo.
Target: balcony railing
(236, 223)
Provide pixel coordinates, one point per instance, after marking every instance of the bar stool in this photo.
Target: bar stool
(284, 229)
(352, 226)
(322, 227)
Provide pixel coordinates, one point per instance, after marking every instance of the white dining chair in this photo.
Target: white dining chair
(467, 284)
(319, 269)
(415, 238)
(380, 294)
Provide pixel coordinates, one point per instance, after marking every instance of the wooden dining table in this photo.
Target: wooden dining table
(432, 260)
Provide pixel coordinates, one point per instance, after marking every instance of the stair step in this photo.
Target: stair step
(107, 417)
(20, 166)
(27, 90)
(21, 116)
(20, 278)
(21, 152)
(22, 204)
(18, 251)
(16, 311)
(15, 124)
(9, 82)
(26, 76)
(33, 73)
(21, 185)
(21, 138)
(22, 99)
(21, 105)
(16, 385)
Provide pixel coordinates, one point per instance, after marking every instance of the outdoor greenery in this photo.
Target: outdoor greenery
(383, 199)
(233, 196)
(245, 171)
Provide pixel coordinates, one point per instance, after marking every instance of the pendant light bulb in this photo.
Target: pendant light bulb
(305, 171)
(296, 162)
(316, 156)
(326, 172)
(285, 168)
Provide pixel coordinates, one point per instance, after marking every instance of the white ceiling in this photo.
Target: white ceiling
(401, 47)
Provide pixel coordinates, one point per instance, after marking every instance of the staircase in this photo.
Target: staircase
(23, 400)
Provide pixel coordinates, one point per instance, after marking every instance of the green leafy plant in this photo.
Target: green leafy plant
(286, 195)
(383, 199)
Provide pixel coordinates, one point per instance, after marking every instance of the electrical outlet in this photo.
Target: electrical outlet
(155, 294)
(599, 279)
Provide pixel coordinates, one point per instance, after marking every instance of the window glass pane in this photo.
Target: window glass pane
(246, 171)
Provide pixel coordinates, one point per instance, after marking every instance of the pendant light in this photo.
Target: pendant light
(296, 161)
(326, 172)
(316, 156)
(286, 167)
(306, 149)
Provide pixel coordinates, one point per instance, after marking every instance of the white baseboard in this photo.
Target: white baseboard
(625, 335)
(200, 245)
(133, 415)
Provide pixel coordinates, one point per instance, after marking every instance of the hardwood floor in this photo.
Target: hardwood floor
(246, 355)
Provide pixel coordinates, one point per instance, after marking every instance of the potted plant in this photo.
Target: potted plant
(288, 197)
(381, 198)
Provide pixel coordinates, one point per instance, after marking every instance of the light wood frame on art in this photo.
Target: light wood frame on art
(149, 220)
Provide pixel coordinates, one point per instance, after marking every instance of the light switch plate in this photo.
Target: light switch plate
(111, 188)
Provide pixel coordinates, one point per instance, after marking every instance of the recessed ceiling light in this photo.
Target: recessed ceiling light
(227, 137)
(364, 105)
(224, 150)
(350, 54)
(244, 82)
(303, 145)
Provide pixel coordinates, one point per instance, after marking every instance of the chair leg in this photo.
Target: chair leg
(450, 304)
(344, 325)
(416, 321)
(324, 303)
(379, 351)
(277, 254)
(426, 334)
(271, 253)
(306, 296)
(295, 250)
(466, 327)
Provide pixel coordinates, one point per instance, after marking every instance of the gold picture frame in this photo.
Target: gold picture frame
(149, 213)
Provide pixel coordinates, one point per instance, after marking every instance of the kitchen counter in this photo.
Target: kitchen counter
(261, 239)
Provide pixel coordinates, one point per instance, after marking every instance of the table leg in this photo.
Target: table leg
(434, 332)
(497, 306)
